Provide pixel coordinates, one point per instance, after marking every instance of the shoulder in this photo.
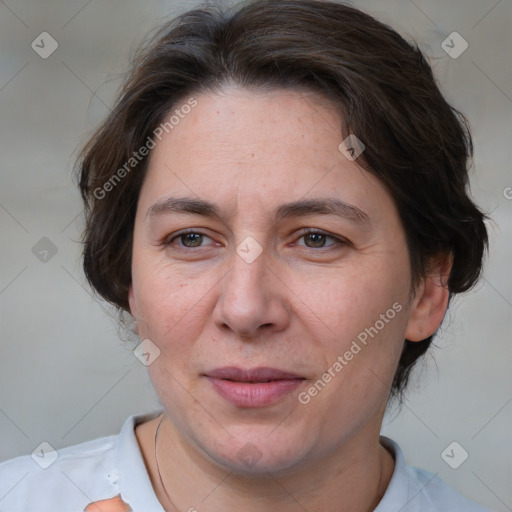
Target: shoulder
(62, 479)
(73, 478)
(413, 490)
(434, 493)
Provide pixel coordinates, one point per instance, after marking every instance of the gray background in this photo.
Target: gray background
(65, 375)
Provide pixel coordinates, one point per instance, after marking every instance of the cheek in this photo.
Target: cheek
(352, 300)
(162, 297)
(365, 311)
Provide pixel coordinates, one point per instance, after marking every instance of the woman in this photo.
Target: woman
(278, 199)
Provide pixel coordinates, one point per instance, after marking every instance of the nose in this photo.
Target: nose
(253, 299)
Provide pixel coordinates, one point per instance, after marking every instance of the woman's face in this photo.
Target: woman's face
(277, 347)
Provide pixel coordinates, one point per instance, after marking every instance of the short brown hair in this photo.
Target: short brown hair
(416, 143)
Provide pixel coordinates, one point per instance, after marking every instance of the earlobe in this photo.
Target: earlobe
(431, 301)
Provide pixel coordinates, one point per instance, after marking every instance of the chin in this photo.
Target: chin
(256, 453)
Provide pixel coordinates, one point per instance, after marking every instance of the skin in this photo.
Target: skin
(296, 307)
(115, 504)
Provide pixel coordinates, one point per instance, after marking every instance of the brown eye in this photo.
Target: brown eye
(191, 239)
(317, 240)
(188, 240)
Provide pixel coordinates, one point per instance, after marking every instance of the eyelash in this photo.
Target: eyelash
(305, 232)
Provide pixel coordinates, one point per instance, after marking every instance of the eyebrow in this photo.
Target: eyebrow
(301, 208)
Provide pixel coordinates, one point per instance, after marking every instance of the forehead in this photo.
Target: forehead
(260, 148)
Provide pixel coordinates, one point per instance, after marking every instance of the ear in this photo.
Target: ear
(131, 302)
(431, 300)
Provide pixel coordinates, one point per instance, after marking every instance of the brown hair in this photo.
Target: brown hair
(416, 143)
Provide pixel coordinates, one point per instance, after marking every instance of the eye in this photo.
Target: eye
(314, 239)
(188, 239)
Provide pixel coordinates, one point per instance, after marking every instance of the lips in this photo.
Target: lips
(261, 374)
(256, 387)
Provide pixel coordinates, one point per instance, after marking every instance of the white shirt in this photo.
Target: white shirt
(108, 466)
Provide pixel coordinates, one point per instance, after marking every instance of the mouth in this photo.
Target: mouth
(255, 387)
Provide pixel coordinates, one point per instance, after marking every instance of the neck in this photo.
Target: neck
(354, 477)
